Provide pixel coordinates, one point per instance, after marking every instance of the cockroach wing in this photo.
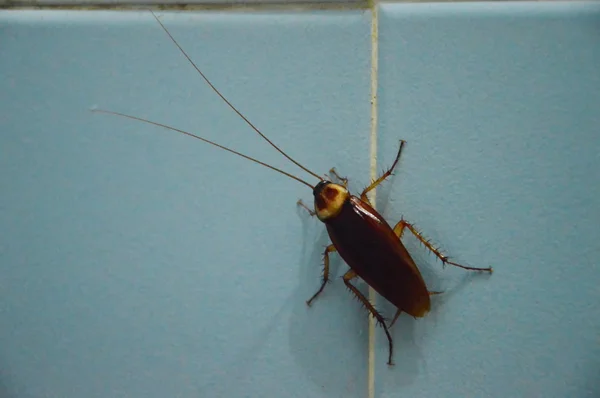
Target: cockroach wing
(370, 247)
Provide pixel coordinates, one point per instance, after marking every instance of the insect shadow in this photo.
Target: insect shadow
(330, 334)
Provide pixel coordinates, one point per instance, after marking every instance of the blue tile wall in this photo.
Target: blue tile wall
(500, 106)
(138, 262)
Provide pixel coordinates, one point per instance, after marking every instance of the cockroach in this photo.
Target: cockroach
(359, 234)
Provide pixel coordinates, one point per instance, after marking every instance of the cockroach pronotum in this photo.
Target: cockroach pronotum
(368, 244)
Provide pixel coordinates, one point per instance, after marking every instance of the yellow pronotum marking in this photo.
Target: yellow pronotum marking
(330, 201)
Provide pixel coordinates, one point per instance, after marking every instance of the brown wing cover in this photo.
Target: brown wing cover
(369, 246)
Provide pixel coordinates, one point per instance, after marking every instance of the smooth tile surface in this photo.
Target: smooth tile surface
(136, 262)
(500, 105)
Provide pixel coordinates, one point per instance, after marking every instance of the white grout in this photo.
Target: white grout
(373, 157)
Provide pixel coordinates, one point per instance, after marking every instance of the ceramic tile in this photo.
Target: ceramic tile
(499, 104)
(137, 262)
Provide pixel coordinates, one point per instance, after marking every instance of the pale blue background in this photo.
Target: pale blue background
(135, 262)
(500, 105)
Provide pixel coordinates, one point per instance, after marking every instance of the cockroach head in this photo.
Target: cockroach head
(329, 199)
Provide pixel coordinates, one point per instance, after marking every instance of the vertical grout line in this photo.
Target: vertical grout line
(372, 197)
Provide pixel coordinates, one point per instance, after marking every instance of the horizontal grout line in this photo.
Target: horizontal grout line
(258, 6)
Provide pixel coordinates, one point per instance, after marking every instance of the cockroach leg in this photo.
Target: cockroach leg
(301, 204)
(344, 180)
(328, 249)
(399, 229)
(385, 175)
(348, 276)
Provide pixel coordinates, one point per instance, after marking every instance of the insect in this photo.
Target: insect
(359, 234)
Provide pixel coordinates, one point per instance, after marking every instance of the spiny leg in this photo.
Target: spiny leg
(301, 204)
(351, 275)
(400, 311)
(385, 175)
(399, 230)
(328, 249)
(344, 180)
